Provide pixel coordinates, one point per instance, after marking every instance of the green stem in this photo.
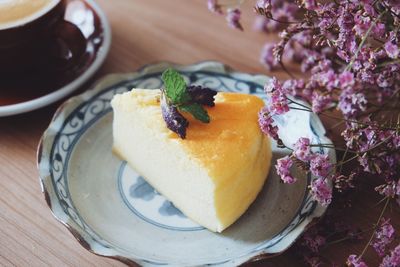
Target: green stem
(358, 122)
(347, 237)
(363, 41)
(344, 156)
(306, 108)
(302, 109)
(383, 64)
(286, 70)
(336, 125)
(375, 226)
(291, 101)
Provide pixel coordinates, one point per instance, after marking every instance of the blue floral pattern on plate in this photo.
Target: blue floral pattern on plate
(149, 205)
(143, 190)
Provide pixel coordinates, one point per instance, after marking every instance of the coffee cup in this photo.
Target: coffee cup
(34, 34)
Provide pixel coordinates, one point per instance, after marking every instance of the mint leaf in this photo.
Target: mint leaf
(197, 111)
(175, 87)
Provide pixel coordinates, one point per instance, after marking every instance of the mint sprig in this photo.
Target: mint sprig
(175, 87)
(177, 96)
(197, 111)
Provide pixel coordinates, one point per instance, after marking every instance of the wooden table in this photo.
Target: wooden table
(143, 32)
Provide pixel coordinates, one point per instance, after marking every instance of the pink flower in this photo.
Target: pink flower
(266, 122)
(313, 261)
(320, 102)
(328, 79)
(310, 4)
(392, 260)
(351, 103)
(321, 191)
(302, 149)
(278, 103)
(283, 170)
(355, 261)
(213, 6)
(346, 79)
(388, 190)
(392, 49)
(233, 18)
(267, 57)
(343, 182)
(314, 242)
(320, 165)
(384, 235)
(295, 88)
(264, 4)
(273, 85)
(398, 188)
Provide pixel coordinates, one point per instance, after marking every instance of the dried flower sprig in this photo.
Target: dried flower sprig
(350, 52)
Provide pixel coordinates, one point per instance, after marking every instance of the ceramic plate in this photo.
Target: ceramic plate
(54, 82)
(113, 212)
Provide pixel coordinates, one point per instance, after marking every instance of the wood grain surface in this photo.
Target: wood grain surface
(144, 31)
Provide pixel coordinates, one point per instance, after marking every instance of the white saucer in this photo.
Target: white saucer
(60, 93)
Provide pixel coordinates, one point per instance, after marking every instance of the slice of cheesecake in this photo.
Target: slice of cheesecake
(214, 174)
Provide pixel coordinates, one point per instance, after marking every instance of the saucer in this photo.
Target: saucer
(57, 79)
(112, 211)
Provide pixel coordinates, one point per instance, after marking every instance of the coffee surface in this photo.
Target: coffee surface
(15, 11)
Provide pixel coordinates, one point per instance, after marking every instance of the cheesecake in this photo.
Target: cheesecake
(215, 173)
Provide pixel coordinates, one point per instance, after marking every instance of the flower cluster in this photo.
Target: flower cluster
(233, 14)
(350, 52)
(355, 261)
(384, 235)
(393, 259)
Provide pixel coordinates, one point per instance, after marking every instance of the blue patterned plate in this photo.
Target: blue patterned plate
(113, 212)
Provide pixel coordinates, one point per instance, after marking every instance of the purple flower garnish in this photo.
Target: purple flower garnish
(202, 95)
(173, 119)
(177, 96)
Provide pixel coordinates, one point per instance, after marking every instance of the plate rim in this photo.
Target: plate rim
(103, 84)
(61, 92)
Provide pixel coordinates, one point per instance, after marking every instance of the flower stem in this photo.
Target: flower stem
(363, 41)
(344, 156)
(348, 237)
(375, 226)
(286, 70)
